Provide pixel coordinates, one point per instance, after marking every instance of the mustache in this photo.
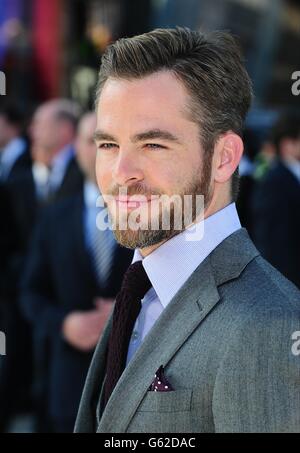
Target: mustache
(134, 189)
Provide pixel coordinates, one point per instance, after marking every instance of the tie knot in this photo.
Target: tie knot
(136, 280)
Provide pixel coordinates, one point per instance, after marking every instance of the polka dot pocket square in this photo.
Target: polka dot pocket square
(160, 382)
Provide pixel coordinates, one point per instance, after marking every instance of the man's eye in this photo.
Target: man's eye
(155, 146)
(106, 146)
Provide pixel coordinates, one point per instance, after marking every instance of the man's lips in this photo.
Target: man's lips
(134, 201)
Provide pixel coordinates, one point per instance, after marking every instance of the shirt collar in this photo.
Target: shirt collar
(170, 265)
(62, 157)
(59, 166)
(12, 151)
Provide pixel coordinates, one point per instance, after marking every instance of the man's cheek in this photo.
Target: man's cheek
(103, 185)
(103, 178)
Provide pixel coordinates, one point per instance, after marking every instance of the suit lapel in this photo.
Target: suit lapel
(71, 183)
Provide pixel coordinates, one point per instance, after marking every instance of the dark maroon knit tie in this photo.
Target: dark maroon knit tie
(127, 307)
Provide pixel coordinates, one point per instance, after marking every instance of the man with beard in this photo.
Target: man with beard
(200, 339)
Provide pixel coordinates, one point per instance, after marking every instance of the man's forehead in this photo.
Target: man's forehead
(162, 84)
(143, 105)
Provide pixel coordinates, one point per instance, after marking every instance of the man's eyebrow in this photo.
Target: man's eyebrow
(155, 134)
(151, 134)
(101, 135)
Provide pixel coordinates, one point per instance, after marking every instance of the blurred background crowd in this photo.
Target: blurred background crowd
(58, 273)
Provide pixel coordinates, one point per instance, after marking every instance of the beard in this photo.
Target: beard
(168, 219)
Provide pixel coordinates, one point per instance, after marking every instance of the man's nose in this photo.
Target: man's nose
(127, 169)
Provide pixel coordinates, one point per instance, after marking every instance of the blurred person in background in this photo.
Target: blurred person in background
(73, 273)
(54, 173)
(264, 158)
(14, 151)
(15, 164)
(246, 182)
(53, 132)
(41, 169)
(6, 237)
(7, 245)
(276, 202)
(51, 174)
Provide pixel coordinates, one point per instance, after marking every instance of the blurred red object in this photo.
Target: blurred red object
(47, 45)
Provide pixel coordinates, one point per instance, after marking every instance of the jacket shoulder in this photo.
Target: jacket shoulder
(261, 290)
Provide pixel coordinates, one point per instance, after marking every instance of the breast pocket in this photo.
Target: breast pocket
(178, 400)
(162, 412)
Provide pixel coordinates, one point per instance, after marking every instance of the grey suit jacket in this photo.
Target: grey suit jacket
(225, 341)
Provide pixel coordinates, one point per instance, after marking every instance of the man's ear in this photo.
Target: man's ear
(228, 153)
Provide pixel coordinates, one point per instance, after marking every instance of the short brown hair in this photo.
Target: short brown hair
(210, 66)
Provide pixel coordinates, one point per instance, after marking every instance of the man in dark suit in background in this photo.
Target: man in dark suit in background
(15, 164)
(72, 274)
(53, 131)
(15, 157)
(7, 226)
(276, 202)
(53, 175)
(246, 182)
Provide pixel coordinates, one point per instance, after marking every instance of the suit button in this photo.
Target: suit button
(135, 335)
